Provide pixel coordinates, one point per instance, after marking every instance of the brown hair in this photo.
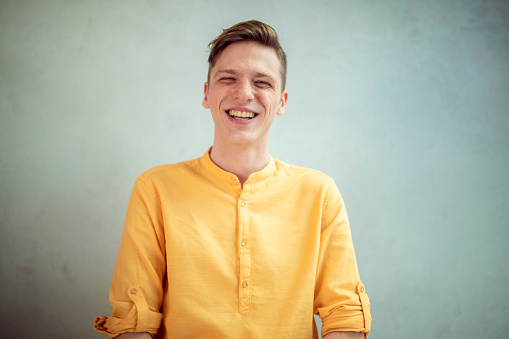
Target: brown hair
(248, 31)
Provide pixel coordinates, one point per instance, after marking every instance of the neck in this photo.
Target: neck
(241, 161)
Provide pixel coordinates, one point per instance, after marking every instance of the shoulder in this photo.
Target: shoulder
(169, 171)
(303, 175)
(286, 169)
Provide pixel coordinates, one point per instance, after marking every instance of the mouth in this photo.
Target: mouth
(241, 115)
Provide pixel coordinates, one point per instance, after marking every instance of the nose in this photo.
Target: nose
(244, 91)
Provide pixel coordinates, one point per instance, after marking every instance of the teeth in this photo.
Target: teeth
(240, 114)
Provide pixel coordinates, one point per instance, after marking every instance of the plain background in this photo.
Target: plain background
(404, 103)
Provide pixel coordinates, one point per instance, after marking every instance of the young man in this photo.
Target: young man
(236, 244)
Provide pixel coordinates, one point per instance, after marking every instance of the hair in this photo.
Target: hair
(251, 30)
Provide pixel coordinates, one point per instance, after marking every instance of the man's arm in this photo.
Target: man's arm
(340, 297)
(344, 335)
(136, 291)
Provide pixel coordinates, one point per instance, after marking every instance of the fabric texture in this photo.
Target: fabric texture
(203, 257)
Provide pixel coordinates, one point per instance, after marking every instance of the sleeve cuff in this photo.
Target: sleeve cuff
(141, 317)
(343, 318)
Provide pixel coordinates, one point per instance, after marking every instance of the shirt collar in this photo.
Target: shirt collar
(220, 174)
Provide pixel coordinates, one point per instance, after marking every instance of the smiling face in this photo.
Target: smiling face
(244, 94)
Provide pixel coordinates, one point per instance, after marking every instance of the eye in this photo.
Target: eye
(263, 84)
(227, 79)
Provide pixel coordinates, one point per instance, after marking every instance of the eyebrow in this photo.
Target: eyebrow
(231, 71)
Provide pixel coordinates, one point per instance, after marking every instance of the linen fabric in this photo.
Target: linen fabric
(203, 257)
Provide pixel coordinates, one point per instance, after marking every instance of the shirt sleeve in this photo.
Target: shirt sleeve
(136, 290)
(340, 297)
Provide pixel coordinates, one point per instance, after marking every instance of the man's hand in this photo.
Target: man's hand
(344, 335)
(144, 335)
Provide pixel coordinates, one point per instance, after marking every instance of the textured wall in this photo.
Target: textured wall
(404, 103)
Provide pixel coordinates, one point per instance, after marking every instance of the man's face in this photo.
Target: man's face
(244, 94)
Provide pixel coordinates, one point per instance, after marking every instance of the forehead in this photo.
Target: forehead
(248, 57)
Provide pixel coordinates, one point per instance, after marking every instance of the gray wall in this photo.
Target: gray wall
(404, 103)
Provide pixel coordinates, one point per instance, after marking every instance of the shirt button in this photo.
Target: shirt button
(244, 284)
(233, 179)
(243, 204)
(243, 243)
(362, 289)
(133, 291)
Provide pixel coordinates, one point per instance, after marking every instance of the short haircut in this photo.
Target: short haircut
(248, 31)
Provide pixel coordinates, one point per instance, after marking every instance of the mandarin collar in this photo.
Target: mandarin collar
(224, 176)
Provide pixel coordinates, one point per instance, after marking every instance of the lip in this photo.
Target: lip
(242, 109)
(241, 122)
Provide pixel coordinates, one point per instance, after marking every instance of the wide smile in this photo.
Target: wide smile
(241, 115)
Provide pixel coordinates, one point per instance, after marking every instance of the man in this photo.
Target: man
(236, 244)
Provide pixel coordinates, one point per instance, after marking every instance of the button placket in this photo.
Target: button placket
(244, 251)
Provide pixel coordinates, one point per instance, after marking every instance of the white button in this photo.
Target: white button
(242, 204)
(243, 243)
(133, 291)
(244, 285)
(233, 179)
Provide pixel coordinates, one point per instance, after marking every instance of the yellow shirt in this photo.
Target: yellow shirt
(202, 257)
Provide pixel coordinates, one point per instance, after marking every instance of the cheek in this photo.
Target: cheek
(272, 103)
(219, 98)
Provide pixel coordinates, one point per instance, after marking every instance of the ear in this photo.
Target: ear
(205, 102)
(284, 99)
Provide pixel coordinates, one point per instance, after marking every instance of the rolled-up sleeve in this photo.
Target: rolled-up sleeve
(340, 297)
(136, 290)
